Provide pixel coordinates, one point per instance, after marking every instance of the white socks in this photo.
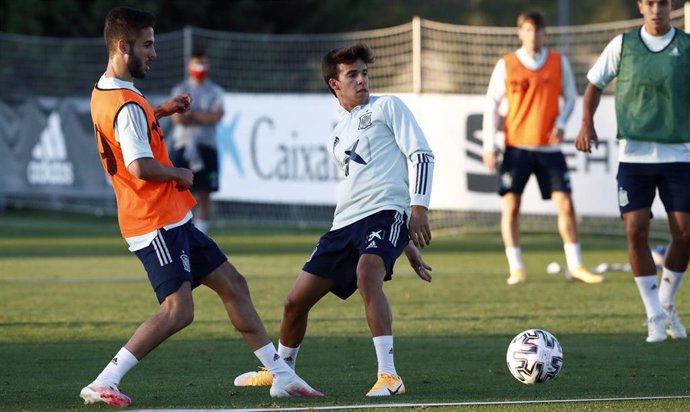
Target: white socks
(514, 255)
(649, 292)
(384, 354)
(289, 355)
(117, 368)
(573, 255)
(273, 362)
(670, 281)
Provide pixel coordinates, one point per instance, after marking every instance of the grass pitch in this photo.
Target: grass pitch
(71, 294)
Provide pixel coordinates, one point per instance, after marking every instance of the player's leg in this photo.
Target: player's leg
(172, 284)
(673, 272)
(567, 228)
(676, 199)
(305, 293)
(514, 172)
(232, 289)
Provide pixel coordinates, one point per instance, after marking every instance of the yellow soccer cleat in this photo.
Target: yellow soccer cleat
(517, 276)
(257, 378)
(582, 274)
(387, 385)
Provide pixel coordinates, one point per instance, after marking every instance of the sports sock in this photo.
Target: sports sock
(670, 281)
(289, 355)
(514, 255)
(117, 368)
(573, 255)
(275, 365)
(649, 292)
(384, 354)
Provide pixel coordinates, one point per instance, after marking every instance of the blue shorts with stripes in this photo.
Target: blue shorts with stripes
(181, 254)
(337, 253)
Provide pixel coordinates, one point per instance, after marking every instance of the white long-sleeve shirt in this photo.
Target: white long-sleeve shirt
(372, 145)
(496, 92)
(605, 70)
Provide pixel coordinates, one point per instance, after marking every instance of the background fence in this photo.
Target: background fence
(418, 57)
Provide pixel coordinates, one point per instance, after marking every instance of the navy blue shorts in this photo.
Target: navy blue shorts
(638, 183)
(206, 178)
(518, 165)
(181, 254)
(337, 253)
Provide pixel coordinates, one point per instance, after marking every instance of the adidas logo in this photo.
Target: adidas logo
(674, 52)
(390, 352)
(372, 245)
(114, 361)
(49, 164)
(275, 357)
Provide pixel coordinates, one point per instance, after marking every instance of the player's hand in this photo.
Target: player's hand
(178, 104)
(489, 159)
(556, 136)
(184, 178)
(414, 256)
(585, 137)
(419, 230)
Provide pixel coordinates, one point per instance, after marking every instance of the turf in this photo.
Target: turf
(71, 294)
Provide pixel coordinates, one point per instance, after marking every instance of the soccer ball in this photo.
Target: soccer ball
(534, 356)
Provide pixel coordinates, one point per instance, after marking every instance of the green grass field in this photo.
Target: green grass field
(71, 294)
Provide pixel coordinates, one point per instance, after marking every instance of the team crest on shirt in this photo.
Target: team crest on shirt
(622, 197)
(185, 263)
(364, 121)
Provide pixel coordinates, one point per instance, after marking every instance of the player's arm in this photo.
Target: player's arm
(177, 104)
(600, 75)
(420, 267)
(411, 141)
(569, 94)
(587, 134)
(494, 95)
(131, 131)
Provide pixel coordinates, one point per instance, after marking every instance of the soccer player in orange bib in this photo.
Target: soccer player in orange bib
(532, 79)
(154, 213)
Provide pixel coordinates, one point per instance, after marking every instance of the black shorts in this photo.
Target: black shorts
(638, 183)
(518, 165)
(337, 253)
(207, 178)
(181, 254)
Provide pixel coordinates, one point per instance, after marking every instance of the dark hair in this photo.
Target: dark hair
(198, 53)
(347, 55)
(536, 18)
(125, 23)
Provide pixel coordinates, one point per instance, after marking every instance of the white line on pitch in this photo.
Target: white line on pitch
(419, 405)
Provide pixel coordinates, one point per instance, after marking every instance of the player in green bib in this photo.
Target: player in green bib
(652, 67)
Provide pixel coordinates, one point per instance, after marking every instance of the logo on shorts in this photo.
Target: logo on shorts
(622, 197)
(378, 234)
(372, 245)
(185, 263)
(506, 180)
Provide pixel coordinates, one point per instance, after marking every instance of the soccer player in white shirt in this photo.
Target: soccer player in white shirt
(378, 212)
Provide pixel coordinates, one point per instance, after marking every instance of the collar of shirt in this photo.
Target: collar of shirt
(532, 62)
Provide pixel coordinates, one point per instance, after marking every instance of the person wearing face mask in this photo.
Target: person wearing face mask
(194, 136)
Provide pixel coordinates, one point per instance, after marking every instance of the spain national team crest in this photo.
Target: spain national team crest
(185, 263)
(364, 121)
(622, 197)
